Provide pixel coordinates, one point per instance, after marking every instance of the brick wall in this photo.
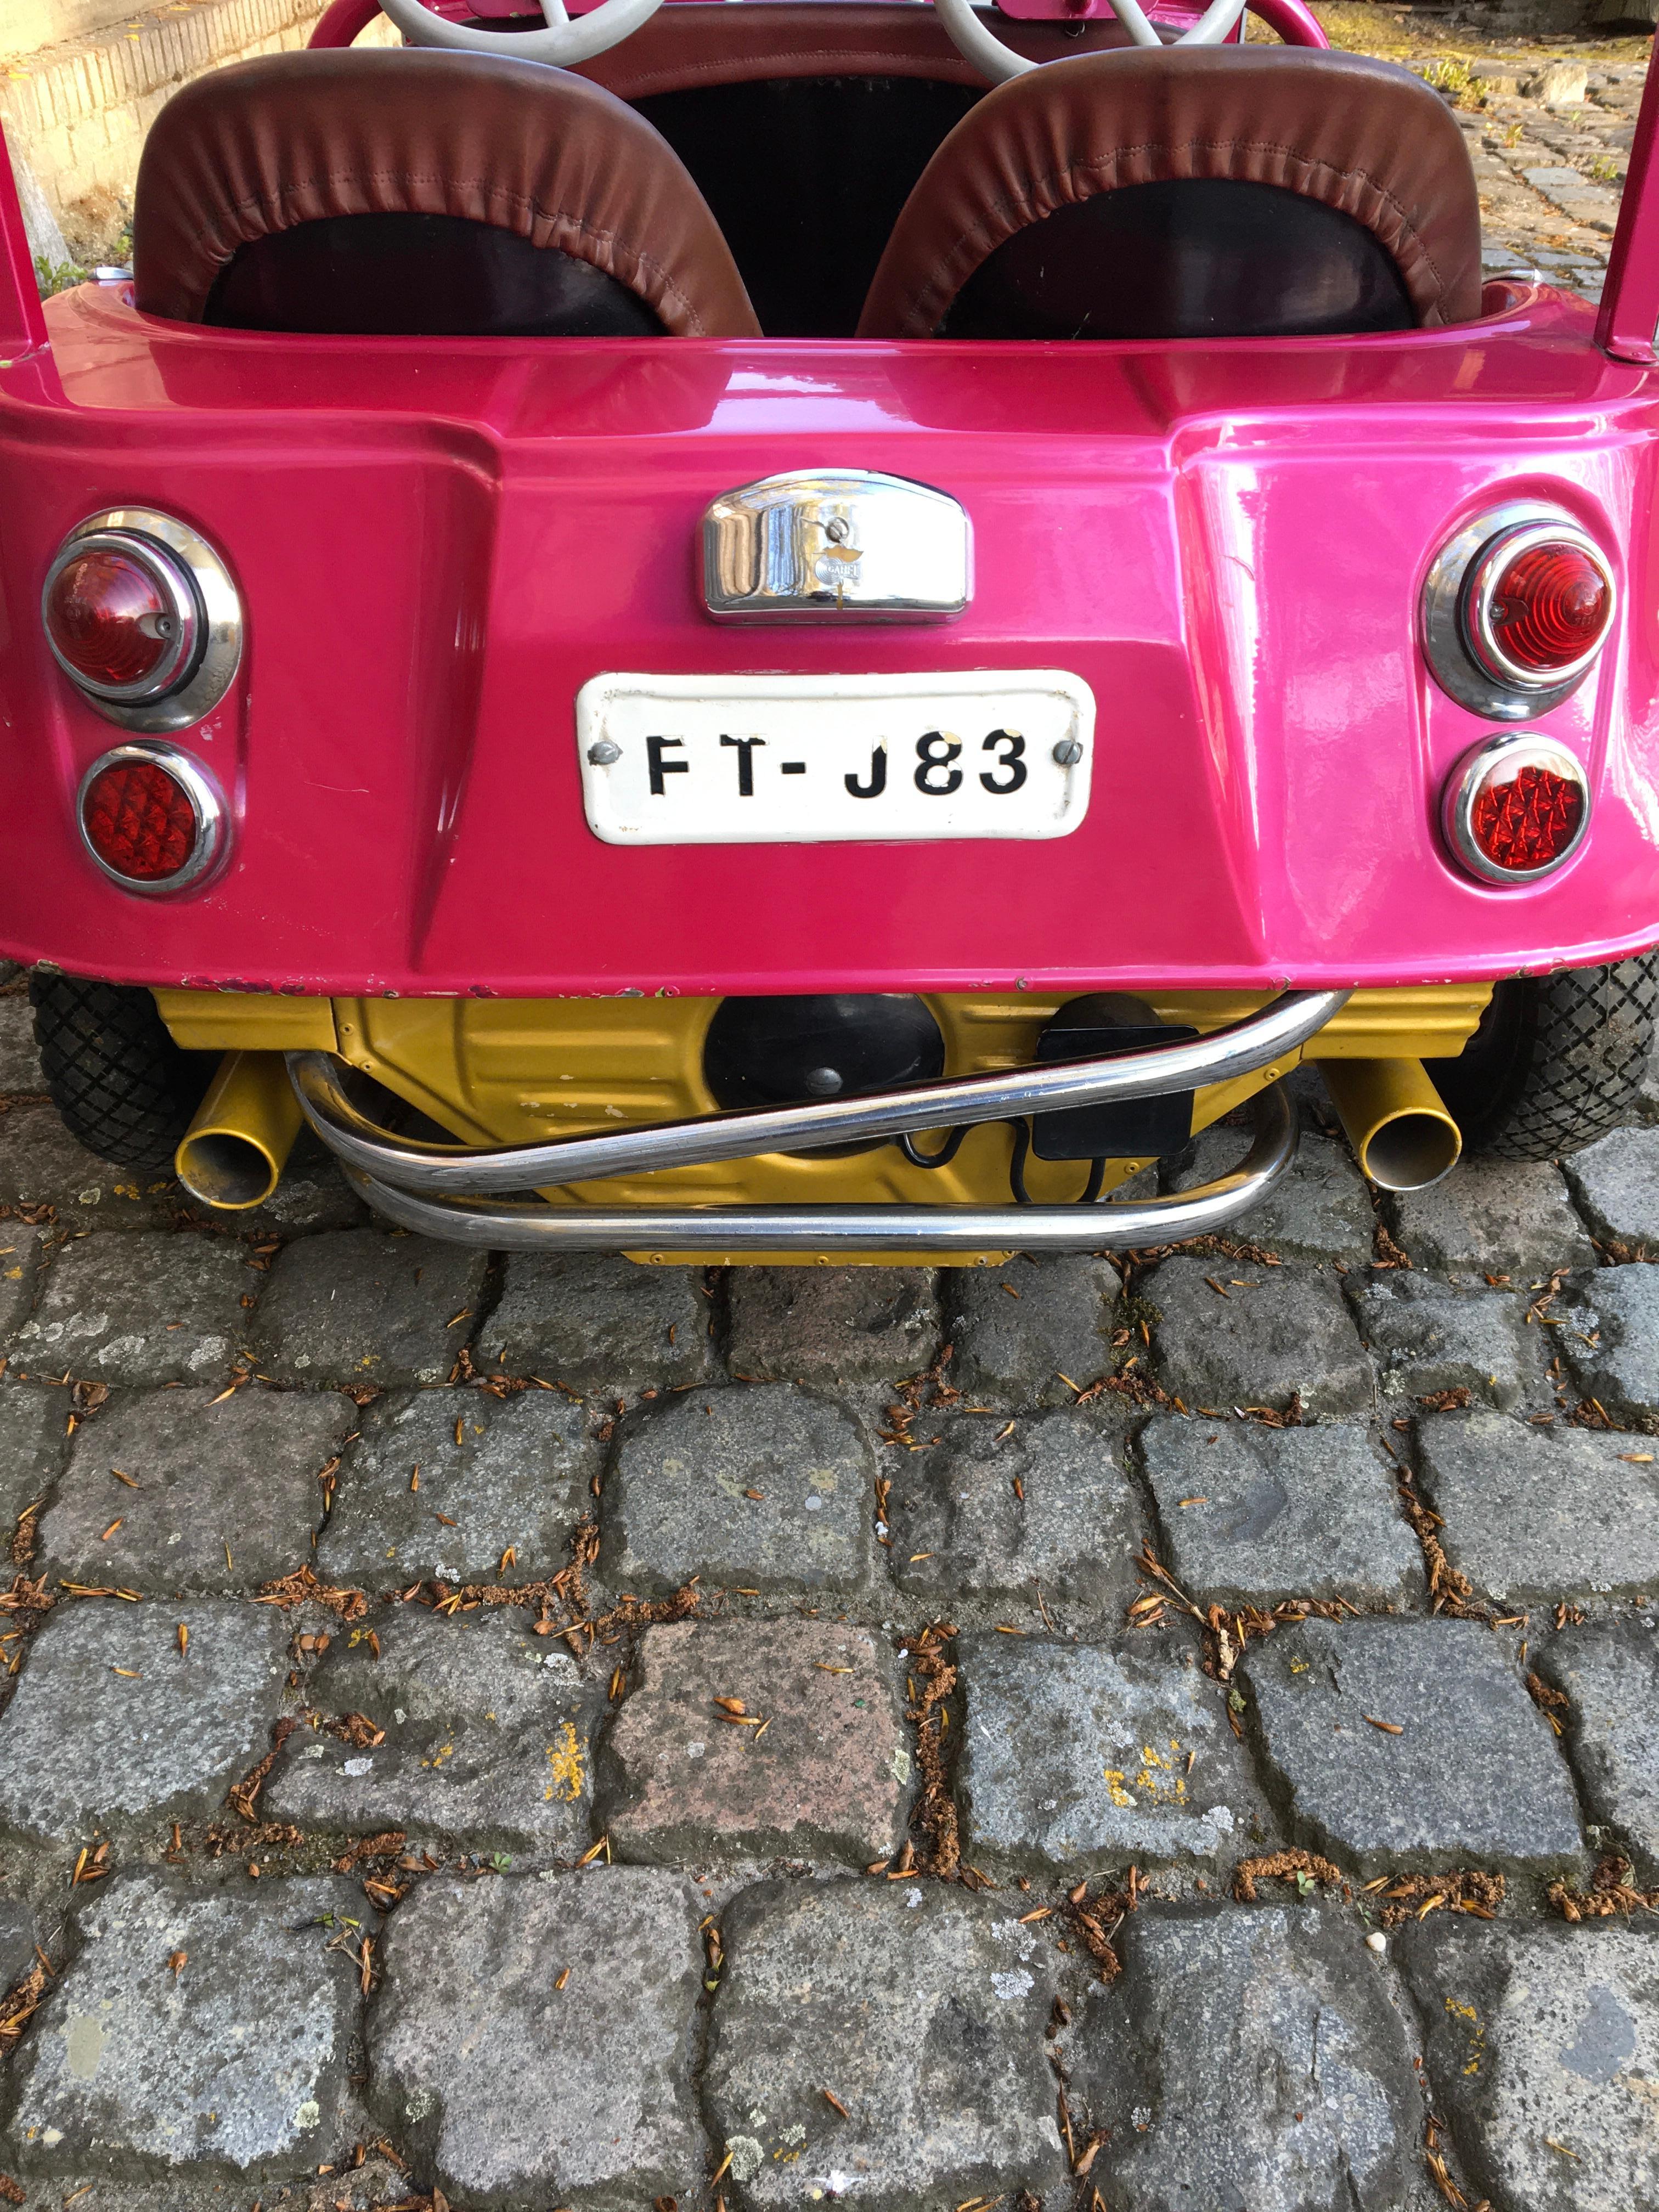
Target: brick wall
(77, 111)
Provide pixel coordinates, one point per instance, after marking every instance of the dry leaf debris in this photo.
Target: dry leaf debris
(1414, 1896)
(1610, 1892)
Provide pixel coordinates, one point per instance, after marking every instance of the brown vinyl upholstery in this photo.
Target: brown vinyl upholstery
(264, 146)
(1364, 138)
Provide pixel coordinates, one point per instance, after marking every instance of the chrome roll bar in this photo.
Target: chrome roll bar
(433, 1170)
(503, 1224)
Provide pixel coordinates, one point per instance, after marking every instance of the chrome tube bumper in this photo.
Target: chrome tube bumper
(419, 1184)
(506, 1226)
(458, 1171)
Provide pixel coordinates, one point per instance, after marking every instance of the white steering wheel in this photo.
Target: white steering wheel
(564, 43)
(994, 60)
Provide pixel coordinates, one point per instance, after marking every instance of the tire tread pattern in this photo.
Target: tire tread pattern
(123, 1089)
(1593, 1030)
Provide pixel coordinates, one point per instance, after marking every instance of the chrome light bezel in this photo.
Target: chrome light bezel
(195, 678)
(1519, 748)
(1463, 656)
(1489, 566)
(212, 845)
(174, 583)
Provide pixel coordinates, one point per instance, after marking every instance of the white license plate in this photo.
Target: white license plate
(778, 760)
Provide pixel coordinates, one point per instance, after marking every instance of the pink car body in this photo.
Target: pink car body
(438, 542)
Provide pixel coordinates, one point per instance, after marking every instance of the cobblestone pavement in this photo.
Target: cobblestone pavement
(524, 1735)
(551, 1734)
(1549, 125)
(1551, 175)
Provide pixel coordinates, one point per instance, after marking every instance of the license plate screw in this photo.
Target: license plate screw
(1068, 752)
(603, 751)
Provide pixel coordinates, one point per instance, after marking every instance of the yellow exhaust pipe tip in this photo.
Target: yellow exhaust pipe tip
(233, 1152)
(1402, 1135)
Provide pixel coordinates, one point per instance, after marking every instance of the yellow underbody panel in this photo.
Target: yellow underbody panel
(506, 1071)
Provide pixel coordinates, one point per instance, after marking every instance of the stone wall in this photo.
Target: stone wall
(75, 112)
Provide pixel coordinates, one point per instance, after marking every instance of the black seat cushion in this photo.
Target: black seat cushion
(1185, 257)
(429, 193)
(1270, 158)
(406, 276)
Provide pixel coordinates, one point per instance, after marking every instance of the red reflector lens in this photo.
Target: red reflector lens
(1528, 819)
(110, 619)
(139, 821)
(1549, 607)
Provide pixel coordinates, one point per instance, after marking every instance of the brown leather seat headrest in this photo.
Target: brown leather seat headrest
(266, 145)
(1362, 137)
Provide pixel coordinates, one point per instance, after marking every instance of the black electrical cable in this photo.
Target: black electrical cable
(952, 1145)
(1017, 1163)
(946, 1152)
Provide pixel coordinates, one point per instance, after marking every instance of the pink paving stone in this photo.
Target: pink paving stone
(829, 1779)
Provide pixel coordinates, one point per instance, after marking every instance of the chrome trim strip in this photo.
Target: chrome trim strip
(212, 819)
(167, 543)
(502, 1225)
(438, 1170)
(1521, 747)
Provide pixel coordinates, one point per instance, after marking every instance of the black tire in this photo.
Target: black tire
(1557, 1062)
(122, 1087)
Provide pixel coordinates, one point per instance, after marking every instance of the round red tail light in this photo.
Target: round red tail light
(1516, 808)
(1550, 606)
(151, 817)
(121, 616)
(1539, 605)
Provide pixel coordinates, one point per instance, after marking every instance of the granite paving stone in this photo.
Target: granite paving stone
(1047, 1508)
(1020, 1330)
(1543, 2052)
(1252, 1515)
(1492, 1218)
(18, 1937)
(1534, 1514)
(759, 1485)
(1077, 1757)
(41, 1164)
(834, 1325)
(357, 1305)
(1249, 2058)
(488, 1731)
(1427, 1337)
(221, 1493)
(505, 2087)
(112, 1722)
(312, 1193)
(1321, 1211)
(826, 1776)
(32, 1448)
(516, 1478)
(1616, 1183)
(1610, 1341)
(1473, 1774)
(920, 2009)
(1610, 1670)
(19, 1058)
(154, 1308)
(21, 1249)
(600, 1323)
(237, 2060)
(1269, 1335)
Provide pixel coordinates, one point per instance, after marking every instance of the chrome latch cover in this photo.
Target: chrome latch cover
(835, 545)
